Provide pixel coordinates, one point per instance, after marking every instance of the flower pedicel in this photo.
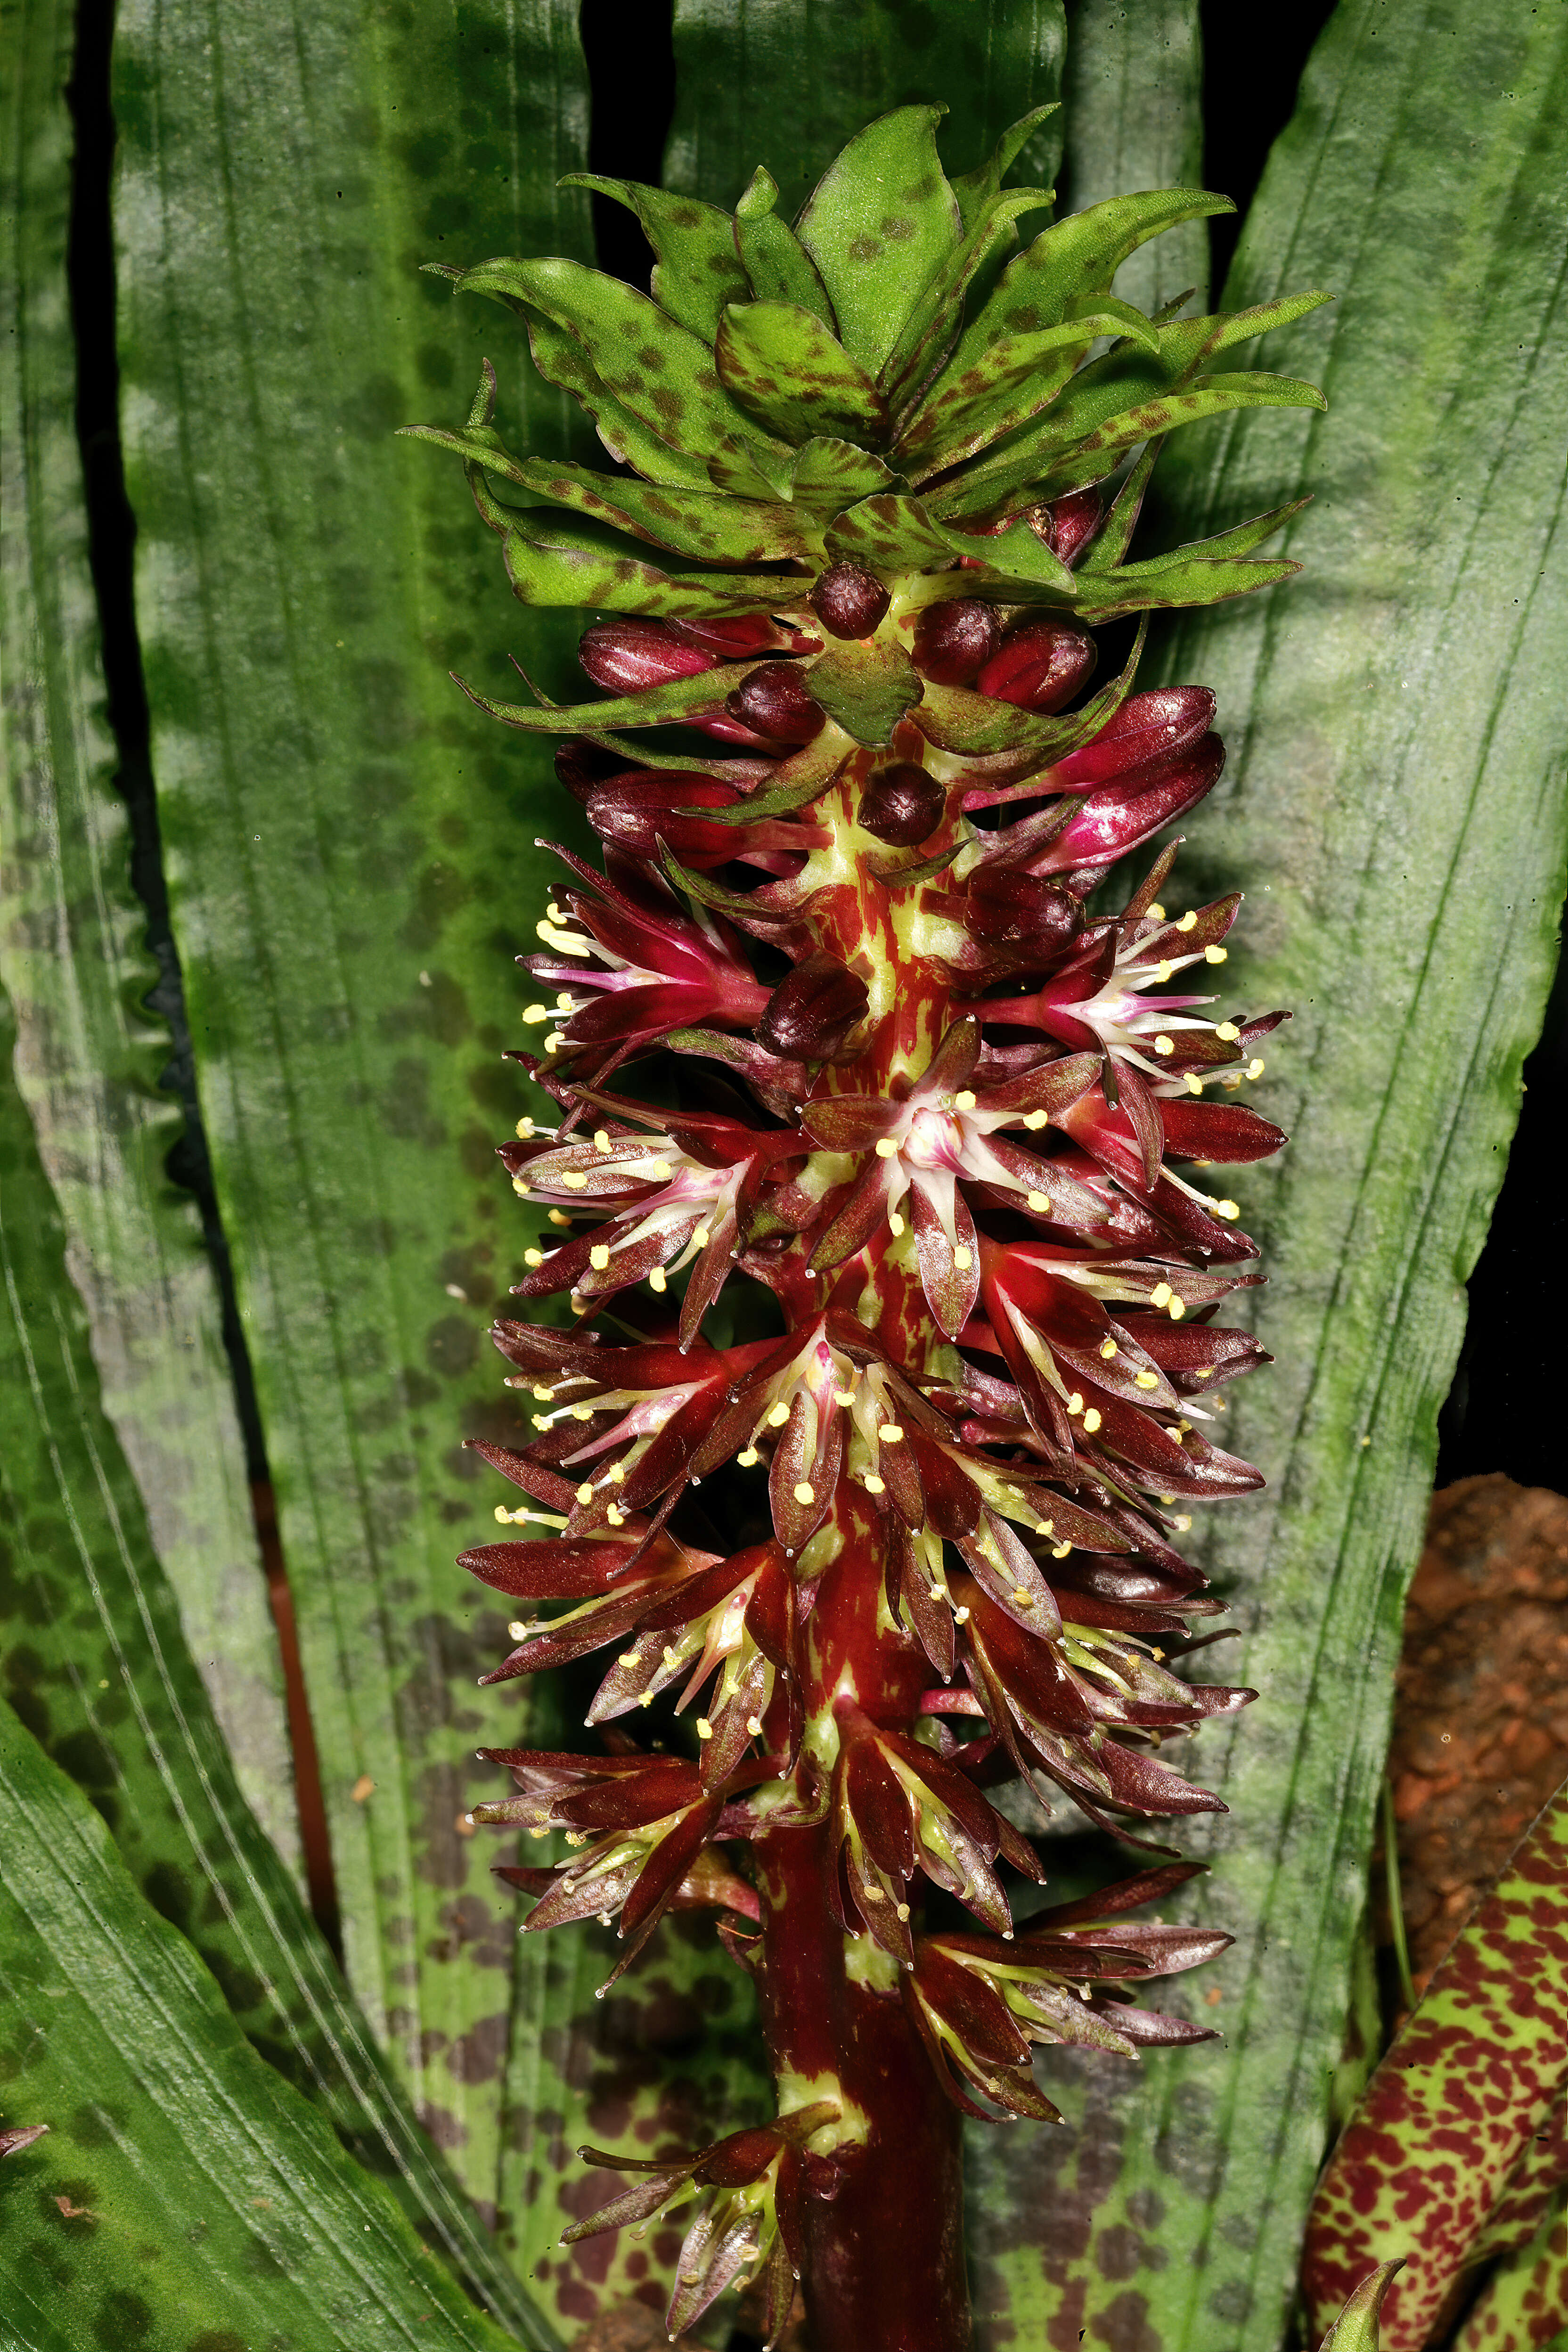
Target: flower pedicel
(918, 1083)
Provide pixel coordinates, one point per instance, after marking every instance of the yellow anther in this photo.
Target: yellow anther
(872, 1893)
(575, 1181)
(965, 1101)
(960, 1616)
(647, 1699)
(1035, 1120)
(1203, 1372)
(533, 1013)
(581, 1413)
(1091, 1421)
(1178, 1308)
(886, 1148)
(704, 1728)
(542, 1393)
(1164, 1045)
(564, 1002)
(661, 1169)
(1075, 1403)
(803, 1493)
(1146, 1379)
(1228, 1210)
(671, 1657)
(1216, 955)
(702, 1237)
(1040, 1203)
(556, 914)
(1195, 1084)
(1254, 1069)
(520, 1188)
(601, 1139)
(599, 1257)
(1159, 1294)
(1046, 1528)
(628, 1658)
(1187, 922)
(1182, 1522)
(616, 1519)
(1157, 914)
(1022, 1597)
(963, 1259)
(748, 1460)
(1107, 1348)
(525, 1131)
(843, 1396)
(584, 1493)
(534, 1257)
(904, 1910)
(617, 1474)
(1060, 1552)
(502, 1515)
(895, 1223)
(890, 1433)
(1228, 1031)
(778, 1415)
(556, 1039)
(518, 1629)
(658, 1280)
(875, 1485)
(755, 1725)
(559, 1217)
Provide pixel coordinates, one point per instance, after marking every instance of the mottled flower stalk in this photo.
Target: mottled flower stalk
(843, 1021)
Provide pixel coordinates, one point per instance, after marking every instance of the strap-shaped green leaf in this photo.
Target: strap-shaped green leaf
(89, 1051)
(884, 198)
(696, 269)
(690, 522)
(1473, 2075)
(778, 265)
(829, 474)
(888, 533)
(1076, 259)
(1133, 105)
(651, 705)
(555, 558)
(781, 365)
(934, 321)
(1011, 380)
(94, 1658)
(660, 373)
(1396, 809)
(183, 2192)
(976, 192)
(562, 359)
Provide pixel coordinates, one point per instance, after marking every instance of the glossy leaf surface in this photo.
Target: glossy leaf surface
(95, 1663)
(90, 1052)
(1394, 808)
(183, 2193)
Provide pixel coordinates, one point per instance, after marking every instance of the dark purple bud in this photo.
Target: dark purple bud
(636, 811)
(626, 655)
(811, 1013)
(1003, 905)
(732, 638)
(849, 601)
(954, 641)
(1067, 524)
(902, 804)
(1039, 666)
(773, 701)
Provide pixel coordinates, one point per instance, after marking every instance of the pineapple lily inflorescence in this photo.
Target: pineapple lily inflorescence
(915, 1085)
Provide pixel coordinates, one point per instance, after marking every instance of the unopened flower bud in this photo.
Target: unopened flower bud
(1067, 524)
(849, 601)
(636, 811)
(902, 804)
(773, 701)
(623, 656)
(954, 641)
(735, 636)
(1039, 666)
(811, 1013)
(1004, 905)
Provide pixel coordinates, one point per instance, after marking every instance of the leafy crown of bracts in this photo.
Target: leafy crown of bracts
(859, 540)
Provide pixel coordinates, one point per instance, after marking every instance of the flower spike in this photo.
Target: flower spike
(875, 1187)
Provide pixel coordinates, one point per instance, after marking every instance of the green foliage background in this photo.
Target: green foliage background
(246, 2145)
